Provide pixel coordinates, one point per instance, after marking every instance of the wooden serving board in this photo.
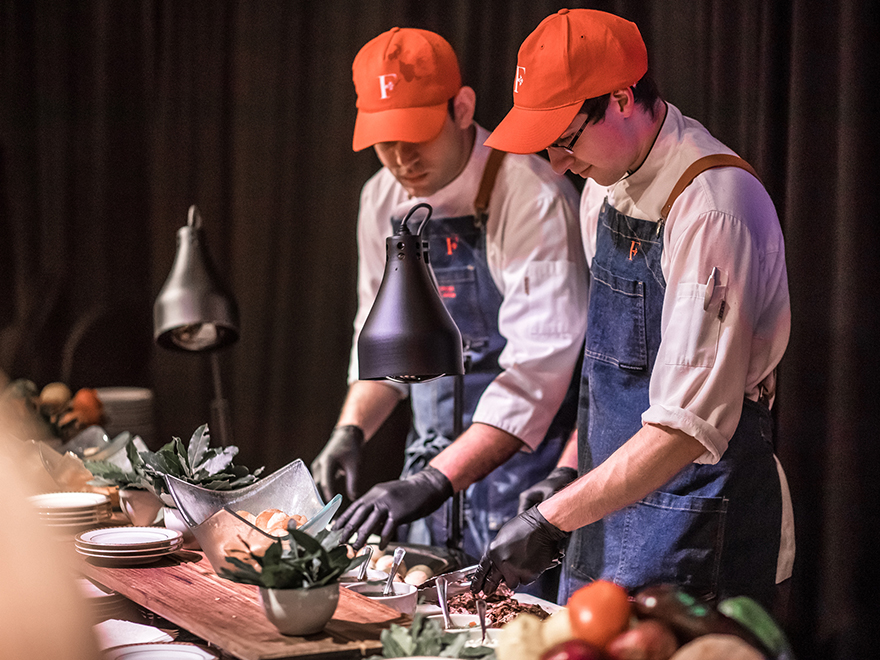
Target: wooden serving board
(185, 590)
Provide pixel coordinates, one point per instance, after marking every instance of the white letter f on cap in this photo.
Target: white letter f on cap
(520, 71)
(386, 84)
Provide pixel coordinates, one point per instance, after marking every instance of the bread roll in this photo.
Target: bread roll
(300, 520)
(247, 515)
(270, 518)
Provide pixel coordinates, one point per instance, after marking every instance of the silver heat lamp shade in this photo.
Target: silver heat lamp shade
(193, 311)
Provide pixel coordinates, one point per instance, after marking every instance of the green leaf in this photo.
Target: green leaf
(198, 445)
(213, 462)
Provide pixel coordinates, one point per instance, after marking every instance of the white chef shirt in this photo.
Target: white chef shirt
(724, 219)
(534, 253)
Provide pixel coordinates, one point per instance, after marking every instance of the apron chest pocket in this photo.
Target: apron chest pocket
(459, 290)
(616, 321)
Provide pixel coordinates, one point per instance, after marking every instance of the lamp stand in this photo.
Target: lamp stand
(454, 539)
(220, 418)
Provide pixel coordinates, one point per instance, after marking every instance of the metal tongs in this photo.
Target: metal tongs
(452, 577)
(441, 599)
(481, 612)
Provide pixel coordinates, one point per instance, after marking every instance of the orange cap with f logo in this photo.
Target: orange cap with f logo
(572, 56)
(404, 79)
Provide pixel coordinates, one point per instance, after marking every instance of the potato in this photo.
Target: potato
(647, 640)
(557, 628)
(718, 647)
(377, 554)
(418, 574)
(384, 564)
(521, 639)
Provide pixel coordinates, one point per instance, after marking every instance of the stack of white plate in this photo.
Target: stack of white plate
(128, 409)
(159, 651)
(72, 511)
(104, 603)
(128, 546)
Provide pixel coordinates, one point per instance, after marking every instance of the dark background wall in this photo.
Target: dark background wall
(115, 117)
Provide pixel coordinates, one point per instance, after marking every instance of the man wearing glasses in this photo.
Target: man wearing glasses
(688, 318)
(506, 251)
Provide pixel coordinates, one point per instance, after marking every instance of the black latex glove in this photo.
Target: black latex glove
(524, 548)
(393, 503)
(339, 457)
(543, 490)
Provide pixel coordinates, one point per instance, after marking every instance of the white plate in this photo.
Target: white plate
(64, 517)
(69, 501)
(96, 520)
(112, 551)
(129, 537)
(129, 560)
(158, 651)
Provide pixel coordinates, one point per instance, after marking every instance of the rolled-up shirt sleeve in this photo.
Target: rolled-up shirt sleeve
(720, 341)
(538, 264)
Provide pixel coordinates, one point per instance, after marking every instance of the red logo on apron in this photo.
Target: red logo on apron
(446, 291)
(451, 244)
(634, 249)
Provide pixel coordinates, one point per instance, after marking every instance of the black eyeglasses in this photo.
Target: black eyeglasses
(569, 148)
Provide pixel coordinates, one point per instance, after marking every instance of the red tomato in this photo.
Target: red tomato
(599, 612)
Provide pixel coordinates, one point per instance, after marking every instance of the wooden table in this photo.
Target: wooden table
(186, 591)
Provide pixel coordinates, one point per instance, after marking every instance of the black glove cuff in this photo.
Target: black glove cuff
(350, 432)
(436, 481)
(549, 528)
(562, 472)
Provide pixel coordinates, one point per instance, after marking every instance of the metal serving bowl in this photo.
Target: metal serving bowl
(212, 518)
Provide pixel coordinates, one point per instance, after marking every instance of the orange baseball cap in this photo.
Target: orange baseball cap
(572, 56)
(404, 79)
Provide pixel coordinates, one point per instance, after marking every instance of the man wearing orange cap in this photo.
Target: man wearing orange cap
(505, 249)
(688, 318)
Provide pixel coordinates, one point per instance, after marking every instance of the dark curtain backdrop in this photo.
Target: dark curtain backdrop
(116, 116)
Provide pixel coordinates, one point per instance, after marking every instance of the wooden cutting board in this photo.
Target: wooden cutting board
(185, 590)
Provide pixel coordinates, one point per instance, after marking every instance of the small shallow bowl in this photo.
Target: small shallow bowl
(468, 624)
(403, 599)
(350, 577)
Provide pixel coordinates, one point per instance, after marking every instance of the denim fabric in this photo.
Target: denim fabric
(457, 252)
(713, 529)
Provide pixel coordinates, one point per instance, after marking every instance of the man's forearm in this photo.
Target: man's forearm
(368, 404)
(642, 465)
(477, 452)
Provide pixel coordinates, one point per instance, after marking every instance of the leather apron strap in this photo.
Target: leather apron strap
(698, 167)
(490, 172)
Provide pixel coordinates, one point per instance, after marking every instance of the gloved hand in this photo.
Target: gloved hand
(339, 457)
(558, 479)
(524, 548)
(393, 503)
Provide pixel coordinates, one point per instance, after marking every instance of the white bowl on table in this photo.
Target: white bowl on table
(403, 599)
(351, 577)
(468, 624)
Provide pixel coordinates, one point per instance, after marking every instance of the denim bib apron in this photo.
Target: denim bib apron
(457, 249)
(713, 529)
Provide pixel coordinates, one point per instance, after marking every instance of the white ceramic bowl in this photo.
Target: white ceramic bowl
(350, 577)
(300, 611)
(469, 624)
(403, 599)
